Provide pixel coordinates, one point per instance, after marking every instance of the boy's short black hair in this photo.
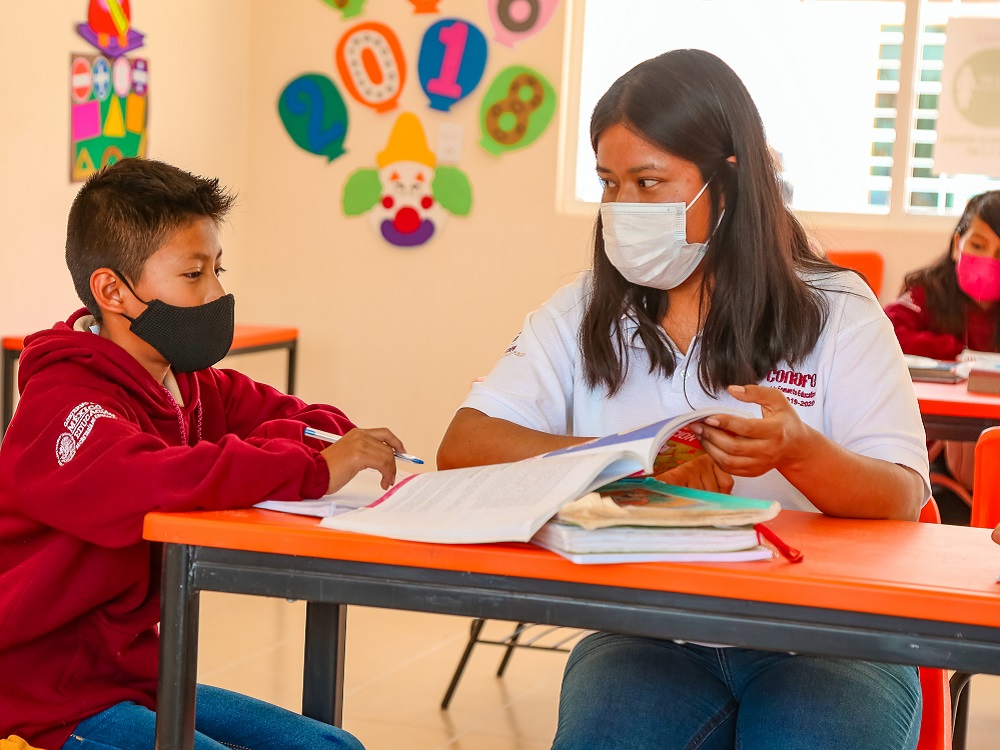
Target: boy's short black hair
(126, 211)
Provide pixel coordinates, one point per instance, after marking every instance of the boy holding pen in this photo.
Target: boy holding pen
(122, 413)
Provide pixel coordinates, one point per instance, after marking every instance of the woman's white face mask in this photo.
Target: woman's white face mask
(647, 242)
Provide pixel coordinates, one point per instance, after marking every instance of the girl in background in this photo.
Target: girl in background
(949, 306)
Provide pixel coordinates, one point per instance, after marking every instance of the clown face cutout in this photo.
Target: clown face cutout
(407, 213)
(409, 194)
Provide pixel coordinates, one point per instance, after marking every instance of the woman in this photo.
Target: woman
(704, 292)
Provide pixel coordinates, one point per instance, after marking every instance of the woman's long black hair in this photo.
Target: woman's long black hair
(692, 105)
(946, 304)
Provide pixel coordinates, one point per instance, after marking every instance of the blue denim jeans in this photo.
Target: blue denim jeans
(626, 693)
(222, 718)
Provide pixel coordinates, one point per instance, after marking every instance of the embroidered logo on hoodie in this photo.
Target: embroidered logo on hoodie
(78, 425)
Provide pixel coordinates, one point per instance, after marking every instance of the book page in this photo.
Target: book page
(502, 502)
(363, 489)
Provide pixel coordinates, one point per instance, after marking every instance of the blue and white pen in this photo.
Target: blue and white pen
(329, 437)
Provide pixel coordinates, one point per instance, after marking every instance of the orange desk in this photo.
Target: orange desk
(246, 340)
(950, 412)
(880, 590)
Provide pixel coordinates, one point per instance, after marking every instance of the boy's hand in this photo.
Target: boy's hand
(701, 473)
(751, 447)
(363, 449)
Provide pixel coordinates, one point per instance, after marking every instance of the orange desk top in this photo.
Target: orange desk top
(923, 571)
(954, 400)
(244, 337)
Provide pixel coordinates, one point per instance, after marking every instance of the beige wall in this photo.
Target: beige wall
(392, 336)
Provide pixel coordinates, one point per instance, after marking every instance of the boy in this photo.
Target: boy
(122, 413)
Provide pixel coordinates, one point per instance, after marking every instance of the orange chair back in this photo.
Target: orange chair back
(935, 716)
(986, 481)
(870, 263)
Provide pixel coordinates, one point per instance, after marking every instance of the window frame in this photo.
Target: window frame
(897, 219)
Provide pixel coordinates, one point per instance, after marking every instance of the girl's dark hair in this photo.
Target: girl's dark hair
(692, 105)
(946, 304)
(126, 211)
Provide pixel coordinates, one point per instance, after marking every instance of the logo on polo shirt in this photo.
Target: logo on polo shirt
(799, 387)
(512, 349)
(78, 425)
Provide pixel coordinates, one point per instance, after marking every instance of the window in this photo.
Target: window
(848, 90)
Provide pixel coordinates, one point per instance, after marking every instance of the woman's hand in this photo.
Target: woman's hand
(751, 447)
(701, 473)
(363, 449)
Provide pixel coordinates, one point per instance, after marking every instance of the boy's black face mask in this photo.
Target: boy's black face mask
(189, 338)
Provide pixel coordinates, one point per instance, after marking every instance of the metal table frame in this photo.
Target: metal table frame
(329, 585)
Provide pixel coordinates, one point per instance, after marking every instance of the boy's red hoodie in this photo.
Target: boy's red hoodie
(95, 444)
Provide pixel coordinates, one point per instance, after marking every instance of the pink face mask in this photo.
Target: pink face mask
(979, 277)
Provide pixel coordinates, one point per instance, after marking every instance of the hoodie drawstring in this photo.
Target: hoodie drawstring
(180, 418)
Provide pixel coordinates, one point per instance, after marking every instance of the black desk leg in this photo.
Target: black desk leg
(292, 351)
(323, 671)
(960, 689)
(178, 636)
(7, 411)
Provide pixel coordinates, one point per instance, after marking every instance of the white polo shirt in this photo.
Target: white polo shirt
(854, 387)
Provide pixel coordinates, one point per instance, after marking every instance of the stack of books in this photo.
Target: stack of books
(927, 370)
(645, 520)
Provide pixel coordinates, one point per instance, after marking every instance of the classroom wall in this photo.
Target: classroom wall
(392, 336)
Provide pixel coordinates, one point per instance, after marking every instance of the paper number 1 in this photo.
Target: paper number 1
(453, 38)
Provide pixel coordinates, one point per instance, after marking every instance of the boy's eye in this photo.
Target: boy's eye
(219, 271)
(648, 182)
(193, 274)
(605, 182)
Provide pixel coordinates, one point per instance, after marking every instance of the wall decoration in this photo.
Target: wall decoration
(425, 6)
(347, 8)
(968, 124)
(516, 20)
(109, 92)
(314, 115)
(451, 63)
(515, 110)
(372, 65)
(409, 194)
(109, 27)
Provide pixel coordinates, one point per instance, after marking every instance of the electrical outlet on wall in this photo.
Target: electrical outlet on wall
(449, 142)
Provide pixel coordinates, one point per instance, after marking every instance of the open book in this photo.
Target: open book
(510, 502)
(649, 502)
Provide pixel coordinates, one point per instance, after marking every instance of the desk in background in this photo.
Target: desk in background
(950, 412)
(246, 340)
(878, 590)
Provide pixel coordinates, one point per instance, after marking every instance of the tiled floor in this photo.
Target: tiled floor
(399, 665)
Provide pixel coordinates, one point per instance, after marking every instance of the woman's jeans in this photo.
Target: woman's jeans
(222, 718)
(621, 692)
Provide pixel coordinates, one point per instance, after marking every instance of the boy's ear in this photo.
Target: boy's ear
(107, 289)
